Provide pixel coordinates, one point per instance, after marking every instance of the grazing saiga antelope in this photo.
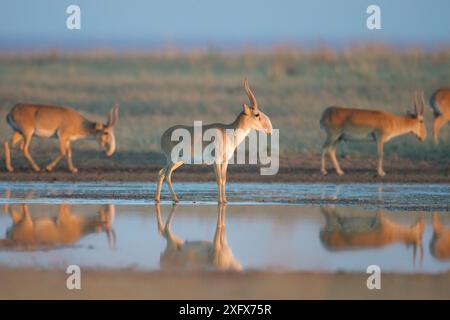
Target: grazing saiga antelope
(66, 124)
(197, 255)
(46, 232)
(364, 232)
(342, 123)
(440, 243)
(250, 118)
(440, 103)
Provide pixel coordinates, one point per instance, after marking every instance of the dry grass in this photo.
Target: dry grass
(293, 86)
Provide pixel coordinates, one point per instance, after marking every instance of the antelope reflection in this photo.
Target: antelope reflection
(47, 232)
(362, 232)
(440, 243)
(197, 255)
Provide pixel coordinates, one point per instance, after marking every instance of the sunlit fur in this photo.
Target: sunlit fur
(251, 118)
(440, 103)
(47, 232)
(341, 123)
(197, 255)
(66, 124)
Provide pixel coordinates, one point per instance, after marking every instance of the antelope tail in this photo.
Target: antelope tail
(434, 105)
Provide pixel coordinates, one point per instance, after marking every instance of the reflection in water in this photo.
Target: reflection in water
(197, 255)
(440, 243)
(268, 237)
(47, 232)
(362, 232)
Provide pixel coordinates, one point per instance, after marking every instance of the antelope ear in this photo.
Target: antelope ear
(247, 109)
(98, 126)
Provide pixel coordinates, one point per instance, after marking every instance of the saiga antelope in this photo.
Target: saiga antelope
(28, 233)
(440, 103)
(66, 124)
(250, 118)
(363, 232)
(197, 255)
(342, 123)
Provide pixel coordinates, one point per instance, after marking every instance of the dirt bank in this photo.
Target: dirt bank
(294, 168)
(130, 284)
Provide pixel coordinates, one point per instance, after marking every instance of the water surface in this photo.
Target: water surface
(275, 227)
(393, 196)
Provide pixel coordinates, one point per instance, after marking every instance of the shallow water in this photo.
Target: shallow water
(114, 225)
(426, 197)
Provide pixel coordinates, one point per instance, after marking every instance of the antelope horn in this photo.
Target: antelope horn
(113, 116)
(423, 103)
(250, 95)
(416, 102)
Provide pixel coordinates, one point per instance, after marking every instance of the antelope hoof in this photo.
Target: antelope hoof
(49, 168)
(10, 169)
(381, 173)
(176, 200)
(157, 200)
(340, 172)
(74, 170)
(324, 172)
(37, 169)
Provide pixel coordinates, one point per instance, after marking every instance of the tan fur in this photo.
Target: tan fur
(197, 255)
(250, 118)
(28, 233)
(341, 123)
(66, 124)
(353, 233)
(440, 103)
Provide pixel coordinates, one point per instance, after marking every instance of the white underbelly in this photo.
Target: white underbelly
(357, 133)
(43, 133)
(210, 156)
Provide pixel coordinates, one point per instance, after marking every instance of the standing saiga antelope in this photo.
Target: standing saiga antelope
(66, 124)
(250, 118)
(342, 123)
(440, 103)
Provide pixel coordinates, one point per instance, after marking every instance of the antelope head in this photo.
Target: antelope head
(420, 129)
(253, 117)
(105, 133)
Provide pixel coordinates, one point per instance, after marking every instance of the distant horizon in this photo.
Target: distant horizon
(232, 25)
(163, 44)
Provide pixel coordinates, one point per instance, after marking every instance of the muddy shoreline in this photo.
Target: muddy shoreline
(34, 283)
(395, 174)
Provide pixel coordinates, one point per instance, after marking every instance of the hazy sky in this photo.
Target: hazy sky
(32, 23)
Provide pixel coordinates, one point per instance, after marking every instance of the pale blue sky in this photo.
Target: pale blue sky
(141, 23)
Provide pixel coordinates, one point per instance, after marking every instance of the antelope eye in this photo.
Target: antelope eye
(257, 115)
